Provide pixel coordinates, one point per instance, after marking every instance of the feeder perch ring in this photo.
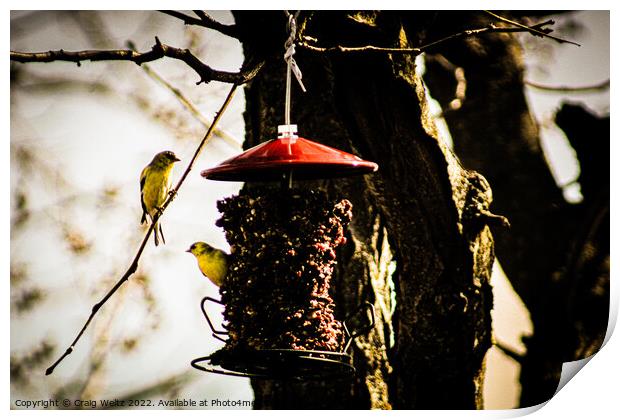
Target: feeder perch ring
(280, 364)
(284, 363)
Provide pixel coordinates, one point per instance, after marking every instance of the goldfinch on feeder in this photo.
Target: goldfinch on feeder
(154, 188)
(212, 262)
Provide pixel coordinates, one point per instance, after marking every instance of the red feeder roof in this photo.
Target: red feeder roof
(305, 158)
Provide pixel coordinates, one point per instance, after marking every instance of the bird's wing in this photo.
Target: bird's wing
(142, 182)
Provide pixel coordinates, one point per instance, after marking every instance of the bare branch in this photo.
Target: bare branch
(532, 29)
(209, 22)
(186, 102)
(367, 48)
(188, 20)
(424, 48)
(134, 264)
(604, 85)
(158, 51)
(205, 21)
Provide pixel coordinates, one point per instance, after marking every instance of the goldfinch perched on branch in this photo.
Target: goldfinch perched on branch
(213, 262)
(154, 188)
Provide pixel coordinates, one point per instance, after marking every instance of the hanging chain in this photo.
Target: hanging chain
(291, 65)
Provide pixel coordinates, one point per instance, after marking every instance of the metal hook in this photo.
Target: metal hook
(368, 308)
(204, 312)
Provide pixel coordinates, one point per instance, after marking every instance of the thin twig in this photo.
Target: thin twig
(209, 22)
(530, 29)
(158, 51)
(604, 85)
(366, 48)
(205, 21)
(186, 102)
(188, 20)
(218, 115)
(491, 28)
(418, 50)
(134, 264)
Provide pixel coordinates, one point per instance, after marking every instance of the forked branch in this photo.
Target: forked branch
(413, 50)
(159, 50)
(205, 21)
(539, 29)
(531, 29)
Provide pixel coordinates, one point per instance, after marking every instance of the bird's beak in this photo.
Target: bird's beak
(176, 159)
(188, 250)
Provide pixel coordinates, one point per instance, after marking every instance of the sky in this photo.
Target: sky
(83, 144)
(86, 149)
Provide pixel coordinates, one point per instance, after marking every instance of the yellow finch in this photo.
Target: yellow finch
(154, 188)
(213, 262)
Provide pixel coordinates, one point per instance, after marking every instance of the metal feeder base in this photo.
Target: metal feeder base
(279, 364)
(283, 363)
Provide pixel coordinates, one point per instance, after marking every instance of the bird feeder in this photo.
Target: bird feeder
(279, 315)
(279, 158)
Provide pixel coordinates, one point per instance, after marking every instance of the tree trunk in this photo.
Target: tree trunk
(553, 248)
(422, 210)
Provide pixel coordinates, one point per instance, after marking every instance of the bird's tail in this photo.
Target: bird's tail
(158, 234)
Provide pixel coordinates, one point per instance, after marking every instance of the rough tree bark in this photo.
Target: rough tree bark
(553, 248)
(421, 209)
